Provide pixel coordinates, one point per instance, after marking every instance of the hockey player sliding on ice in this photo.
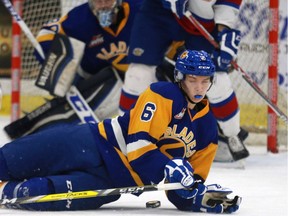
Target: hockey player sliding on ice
(154, 30)
(104, 27)
(170, 133)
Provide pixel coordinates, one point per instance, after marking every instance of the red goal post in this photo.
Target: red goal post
(16, 64)
(263, 56)
(24, 95)
(272, 144)
(254, 57)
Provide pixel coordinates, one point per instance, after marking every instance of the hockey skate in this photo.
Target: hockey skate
(2, 185)
(7, 186)
(232, 149)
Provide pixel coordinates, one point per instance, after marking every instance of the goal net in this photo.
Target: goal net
(35, 13)
(253, 58)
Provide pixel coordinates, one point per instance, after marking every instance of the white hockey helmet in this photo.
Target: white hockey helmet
(104, 10)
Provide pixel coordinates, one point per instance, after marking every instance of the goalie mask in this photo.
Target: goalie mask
(191, 62)
(104, 10)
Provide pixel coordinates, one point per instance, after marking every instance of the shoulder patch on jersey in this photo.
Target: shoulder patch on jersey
(96, 40)
(181, 114)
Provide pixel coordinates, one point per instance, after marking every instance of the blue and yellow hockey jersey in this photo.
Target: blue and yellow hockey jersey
(137, 146)
(103, 46)
(128, 150)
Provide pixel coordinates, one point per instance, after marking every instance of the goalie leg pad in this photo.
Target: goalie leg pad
(99, 91)
(110, 103)
(36, 119)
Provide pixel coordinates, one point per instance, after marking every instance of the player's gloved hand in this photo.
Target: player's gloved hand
(229, 40)
(180, 170)
(215, 200)
(178, 7)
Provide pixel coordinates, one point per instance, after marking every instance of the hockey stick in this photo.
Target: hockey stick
(91, 194)
(80, 112)
(79, 104)
(245, 76)
(24, 27)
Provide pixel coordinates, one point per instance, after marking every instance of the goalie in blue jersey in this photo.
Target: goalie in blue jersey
(169, 134)
(101, 31)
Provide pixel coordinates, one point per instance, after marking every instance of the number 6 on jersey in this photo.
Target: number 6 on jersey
(148, 112)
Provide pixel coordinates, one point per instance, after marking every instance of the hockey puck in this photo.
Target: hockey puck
(153, 204)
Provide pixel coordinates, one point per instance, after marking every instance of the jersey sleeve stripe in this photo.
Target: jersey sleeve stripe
(119, 135)
(135, 153)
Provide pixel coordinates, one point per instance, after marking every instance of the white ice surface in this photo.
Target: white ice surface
(261, 180)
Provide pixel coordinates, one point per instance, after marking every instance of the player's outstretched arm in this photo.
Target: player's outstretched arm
(214, 200)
